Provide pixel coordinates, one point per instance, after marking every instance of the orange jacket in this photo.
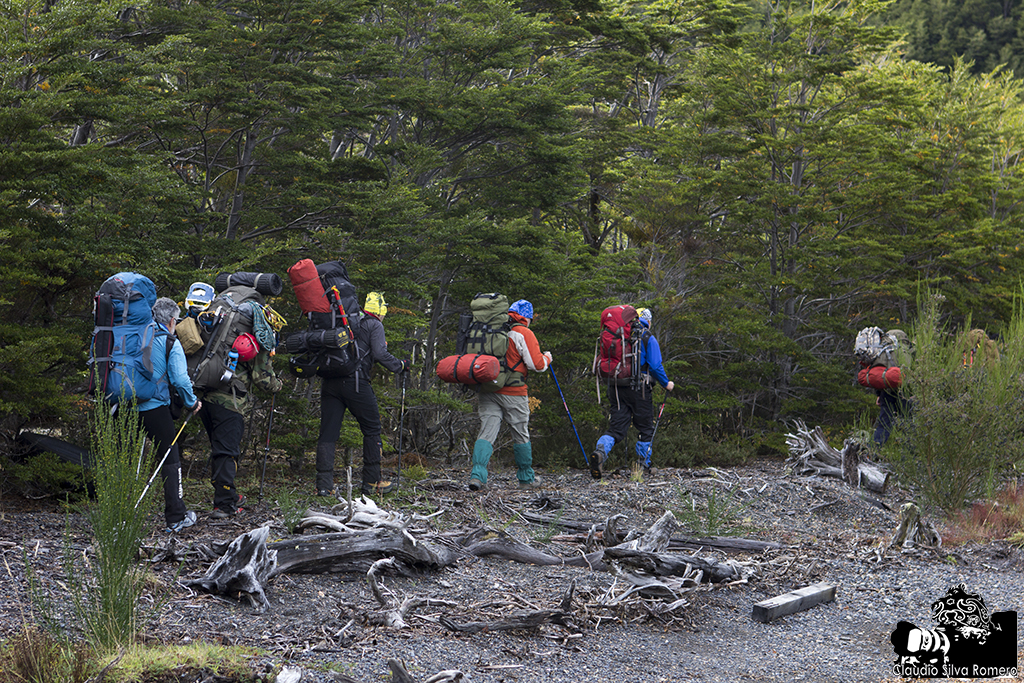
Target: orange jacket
(523, 353)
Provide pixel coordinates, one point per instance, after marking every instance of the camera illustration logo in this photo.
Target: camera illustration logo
(967, 641)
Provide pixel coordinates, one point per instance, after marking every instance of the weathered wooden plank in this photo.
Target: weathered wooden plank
(794, 601)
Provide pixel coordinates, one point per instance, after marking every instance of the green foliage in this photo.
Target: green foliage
(49, 474)
(690, 445)
(292, 505)
(106, 600)
(415, 473)
(965, 430)
(767, 181)
(38, 656)
(717, 517)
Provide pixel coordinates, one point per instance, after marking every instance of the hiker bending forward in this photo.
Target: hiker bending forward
(636, 405)
(355, 394)
(511, 403)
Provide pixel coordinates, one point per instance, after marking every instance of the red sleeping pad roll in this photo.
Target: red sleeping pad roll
(308, 288)
(469, 368)
(880, 377)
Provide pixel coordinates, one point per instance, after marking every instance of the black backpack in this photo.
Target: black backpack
(335, 343)
(232, 313)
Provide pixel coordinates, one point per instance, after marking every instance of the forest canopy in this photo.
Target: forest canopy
(767, 177)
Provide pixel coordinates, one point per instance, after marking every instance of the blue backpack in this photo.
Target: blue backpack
(120, 357)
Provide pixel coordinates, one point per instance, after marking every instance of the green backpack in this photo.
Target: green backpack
(488, 334)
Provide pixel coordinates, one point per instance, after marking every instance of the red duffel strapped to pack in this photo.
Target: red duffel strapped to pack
(309, 290)
(469, 368)
(880, 377)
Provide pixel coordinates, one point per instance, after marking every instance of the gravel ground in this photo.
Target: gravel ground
(826, 532)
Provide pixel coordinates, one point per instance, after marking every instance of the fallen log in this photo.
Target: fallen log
(517, 620)
(489, 542)
(670, 564)
(793, 602)
(810, 453)
(356, 551)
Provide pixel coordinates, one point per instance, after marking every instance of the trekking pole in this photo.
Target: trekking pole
(266, 449)
(401, 432)
(658, 421)
(163, 460)
(578, 440)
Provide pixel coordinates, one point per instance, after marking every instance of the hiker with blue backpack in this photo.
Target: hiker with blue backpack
(134, 361)
(628, 361)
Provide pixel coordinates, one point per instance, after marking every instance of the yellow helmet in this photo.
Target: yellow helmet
(376, 305)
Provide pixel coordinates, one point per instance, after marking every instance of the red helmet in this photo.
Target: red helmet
(246, 346)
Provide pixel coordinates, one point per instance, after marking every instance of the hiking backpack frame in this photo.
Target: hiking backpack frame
(617, 349)
(121, 352)
(485, 332)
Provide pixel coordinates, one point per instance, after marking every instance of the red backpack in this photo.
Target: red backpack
(617, 353)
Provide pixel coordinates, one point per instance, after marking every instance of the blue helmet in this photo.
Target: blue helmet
(523, 308)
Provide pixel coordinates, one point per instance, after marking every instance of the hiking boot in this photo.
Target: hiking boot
(378, 489)
(190, 520)
(597, 459)
(220, 513)
(475, 484)
(534, 483)
(327, 493)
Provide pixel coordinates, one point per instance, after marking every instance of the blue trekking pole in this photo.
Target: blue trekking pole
(582, 449)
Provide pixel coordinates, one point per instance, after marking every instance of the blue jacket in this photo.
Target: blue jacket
(169, 366)
(650, 360)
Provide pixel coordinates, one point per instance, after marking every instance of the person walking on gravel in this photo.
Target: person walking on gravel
(634, 405)
(169, 367)
(355, 394)
(511, 403)
(223, 416)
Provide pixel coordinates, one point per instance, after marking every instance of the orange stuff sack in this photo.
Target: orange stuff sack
(880, 377)
(469, 368)
(309, 290)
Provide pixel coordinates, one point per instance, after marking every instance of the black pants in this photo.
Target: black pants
(336, 396)
(892, 407)
(159, 426)
(225, 428)
(631, 405)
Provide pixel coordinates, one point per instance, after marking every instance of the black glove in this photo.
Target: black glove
(406, 366)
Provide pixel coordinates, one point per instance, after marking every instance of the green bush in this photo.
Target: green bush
(966, 424)
(107, 599)
(47, 474)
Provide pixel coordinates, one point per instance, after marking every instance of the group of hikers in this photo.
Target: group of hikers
(205, 359)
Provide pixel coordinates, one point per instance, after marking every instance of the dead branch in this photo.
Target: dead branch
(810, 453)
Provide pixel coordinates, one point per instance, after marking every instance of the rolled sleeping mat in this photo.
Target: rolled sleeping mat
(316, 340)
(267, 284)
